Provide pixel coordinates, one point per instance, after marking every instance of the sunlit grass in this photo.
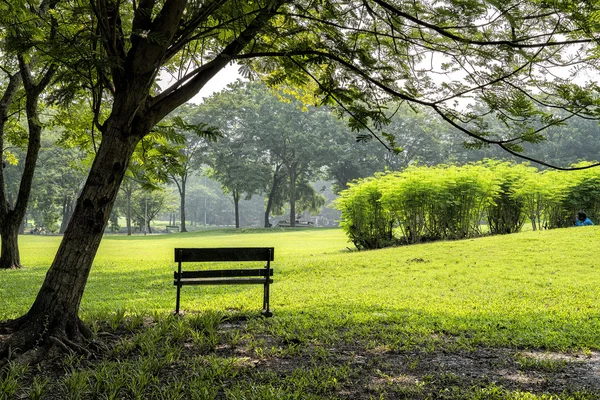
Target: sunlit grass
(532, 289)
(347, 324)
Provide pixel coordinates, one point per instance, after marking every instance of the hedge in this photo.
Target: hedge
(453, 202)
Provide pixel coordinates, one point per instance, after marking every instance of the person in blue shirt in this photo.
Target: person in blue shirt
(582, 219)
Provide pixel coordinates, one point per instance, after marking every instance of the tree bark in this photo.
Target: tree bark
(275, 185)
(54, 314)
(293, 176)
(10, 257)
(182, 204)
(236, 206)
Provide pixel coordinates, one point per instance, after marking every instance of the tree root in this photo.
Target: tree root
(25, 341)
(8, 327)
(13, 266)
(76, 348)
(84, 330)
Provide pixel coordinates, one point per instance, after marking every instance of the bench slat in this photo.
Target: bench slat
(223, 281)
(222, 273)
(224, 254)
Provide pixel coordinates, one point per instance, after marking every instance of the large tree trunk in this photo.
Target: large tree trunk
(53, 319)
(53, 322)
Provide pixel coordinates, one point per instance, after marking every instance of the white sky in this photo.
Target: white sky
(226, 76)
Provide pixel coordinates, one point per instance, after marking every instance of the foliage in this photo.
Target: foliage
(183, 153)
(429, 203)
(367, 222)
(273, 144)
(450, 202)
(145, 206)
(507, 212)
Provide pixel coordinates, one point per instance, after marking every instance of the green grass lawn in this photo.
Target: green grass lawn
(532, 291)
(538, 289)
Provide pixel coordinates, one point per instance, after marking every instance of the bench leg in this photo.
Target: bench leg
(177, 300)
(266, 311)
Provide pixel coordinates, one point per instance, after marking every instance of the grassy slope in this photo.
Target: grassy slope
(533, 289)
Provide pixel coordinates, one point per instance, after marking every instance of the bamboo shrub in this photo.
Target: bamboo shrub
(506, 213)
(450, 202)
(559, 185)
(532, 189)
(366, 221)
(461, 202)
(583, 194)
(408, 196)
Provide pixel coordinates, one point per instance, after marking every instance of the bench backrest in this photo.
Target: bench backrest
(224, 254)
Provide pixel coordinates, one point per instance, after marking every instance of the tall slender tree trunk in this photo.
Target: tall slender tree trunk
(128, 213)
(182, 204)
(274, 186)
(11, 218)
(67, 212)
(293, 176)
(236, 206)
(9, 252)
(268, 209)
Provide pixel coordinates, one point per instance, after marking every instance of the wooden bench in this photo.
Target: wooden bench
(174, 227)
(260, 276)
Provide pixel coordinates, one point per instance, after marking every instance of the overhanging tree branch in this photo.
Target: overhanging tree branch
(177, 95)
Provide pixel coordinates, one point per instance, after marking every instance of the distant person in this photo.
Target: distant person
(582, 219)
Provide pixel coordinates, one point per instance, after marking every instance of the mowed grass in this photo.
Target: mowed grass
(528, 290)
(504, 317)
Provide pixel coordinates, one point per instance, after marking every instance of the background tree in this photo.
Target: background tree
(234, 164)
(277, 137)
(146, 204)
(59, 177)
(202, 198)
(191, 142)
(23, 65)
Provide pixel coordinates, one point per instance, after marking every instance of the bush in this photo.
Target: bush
(506, 214)
(449, 202)
(368, 224)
